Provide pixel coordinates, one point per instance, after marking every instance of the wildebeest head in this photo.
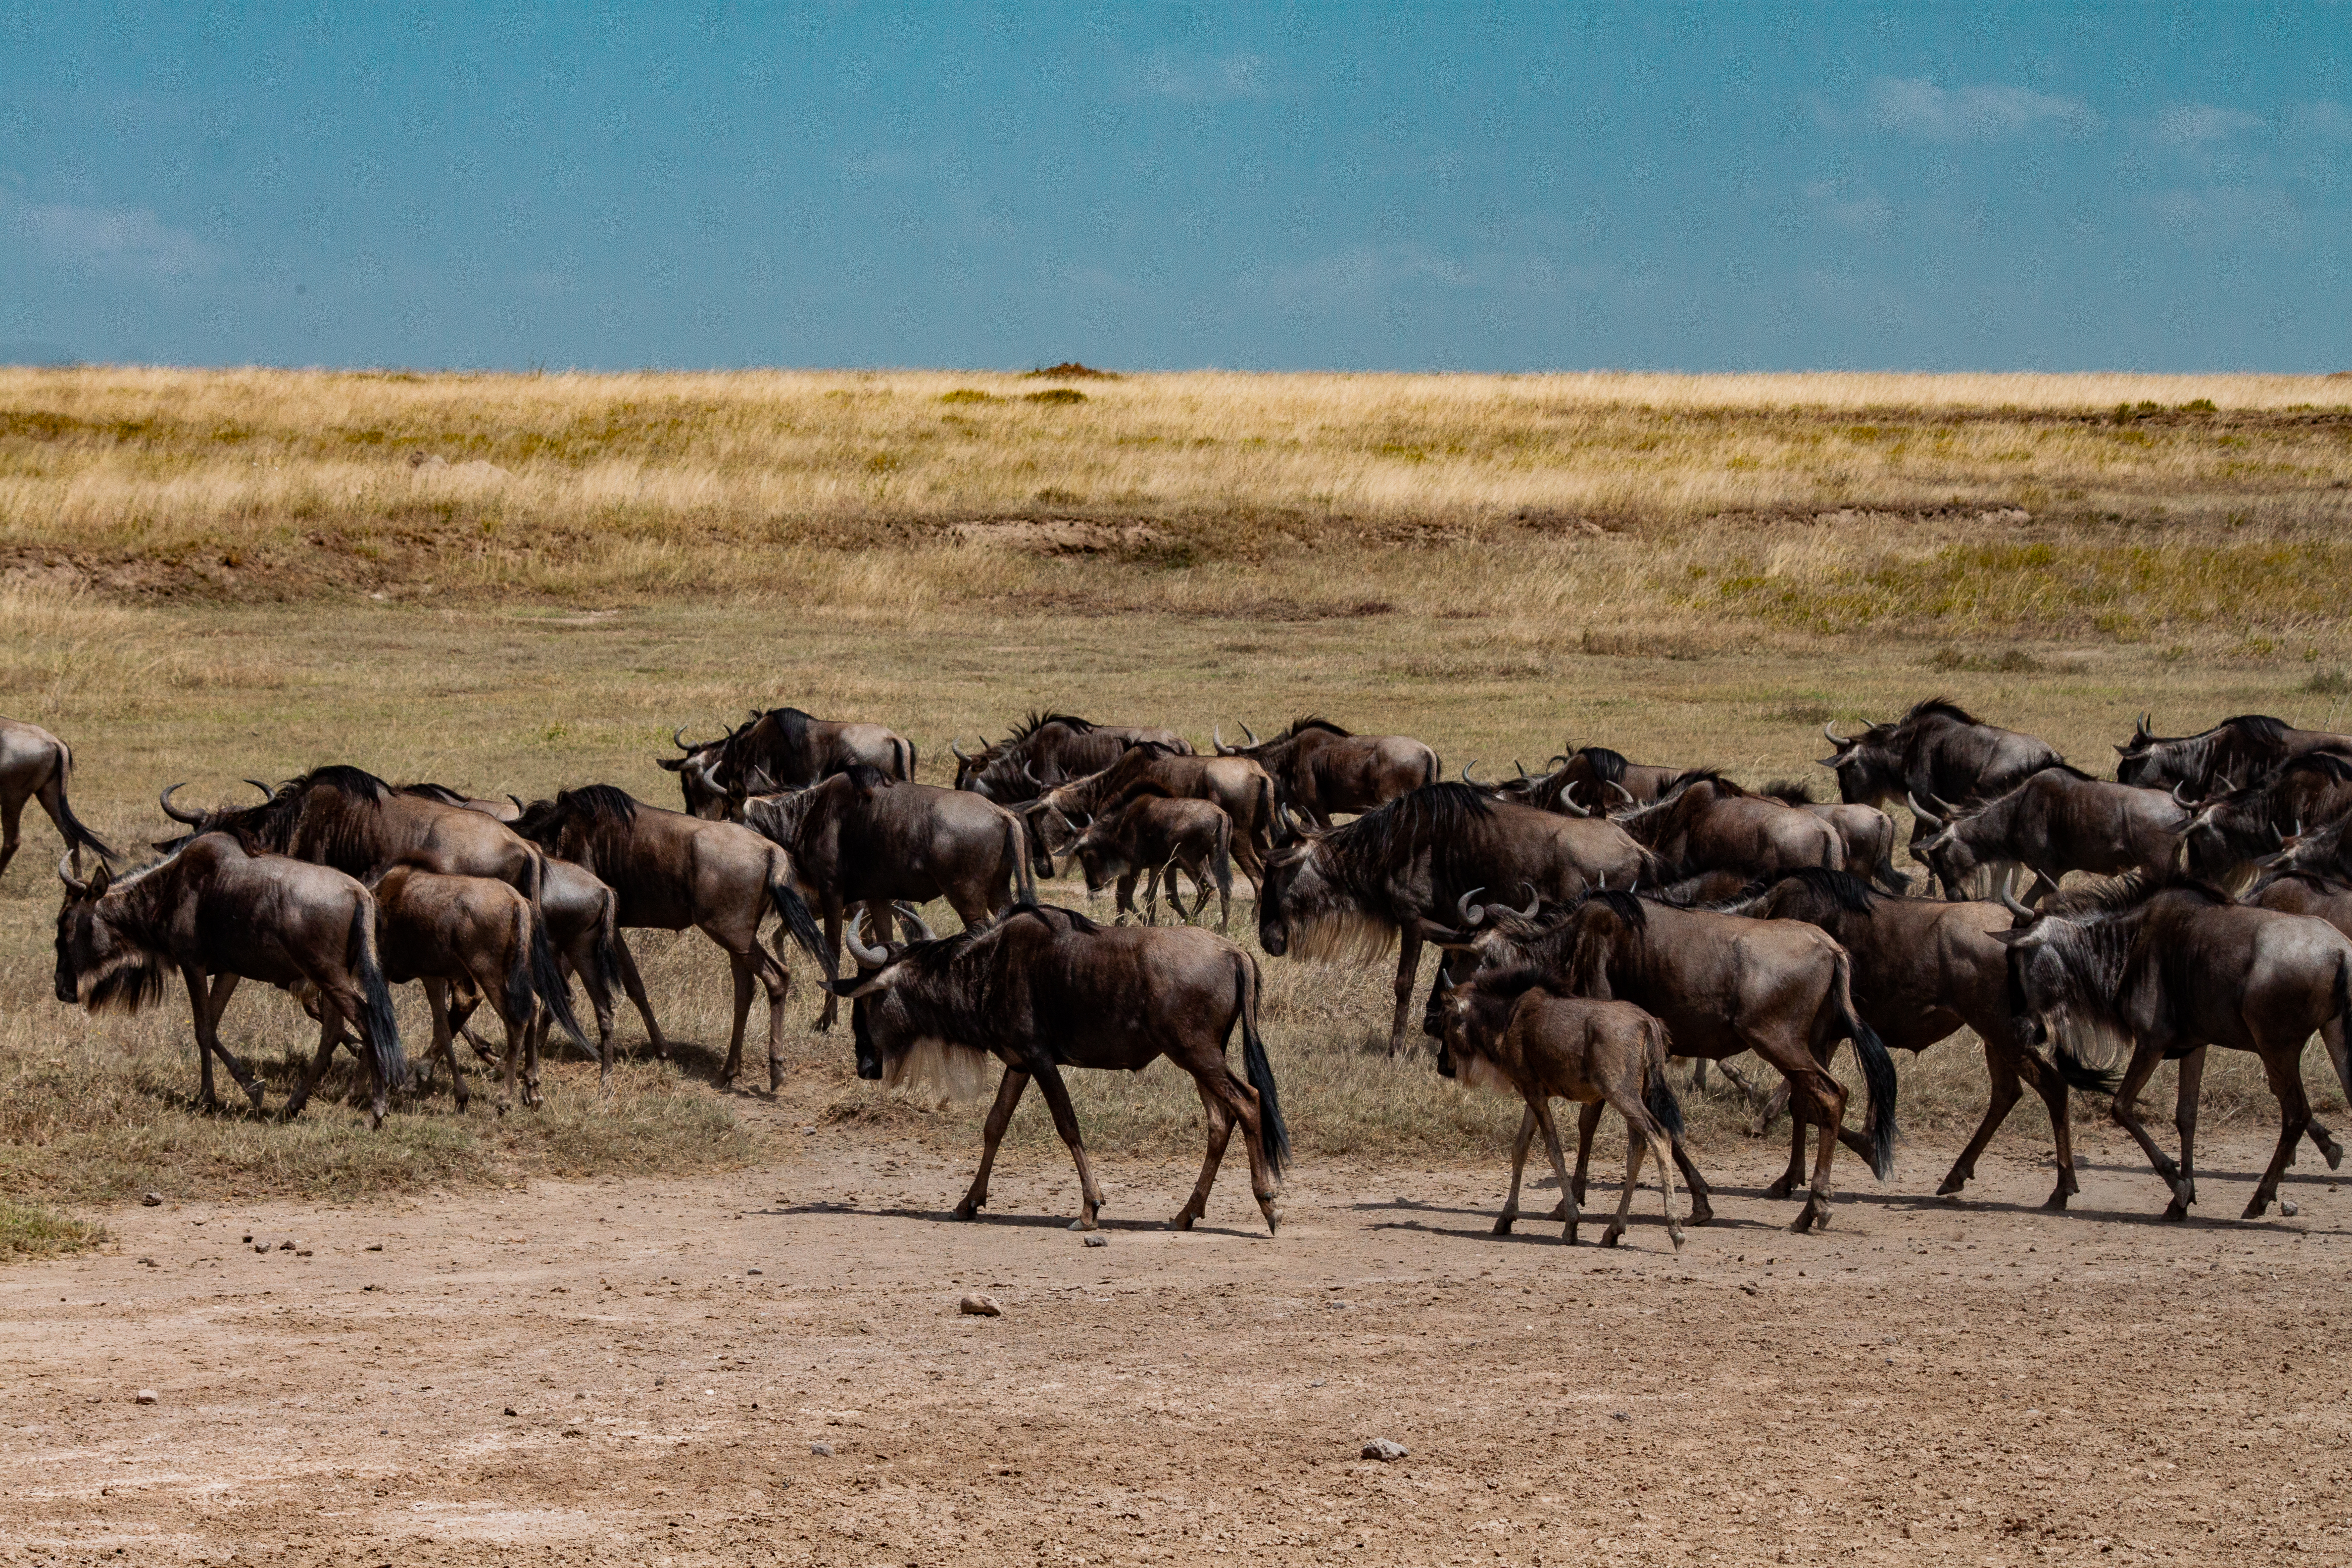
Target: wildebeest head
(914, 1004)
(100, 966)
(1869, 767)
(1475, 1013)
(2242, 745)
(1948, 854)
(697, 772)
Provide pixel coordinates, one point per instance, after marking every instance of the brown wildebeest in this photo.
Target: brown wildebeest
(669, 870)
(788, 748)
(1938, 751)
(37, 765)
(211, 907)
(1704, 822)
(1516, 1032)
(2228, 833)
(1601, 779)
(2174, 967)
(1048, 749)
(1866, 832)
(1391, 876)
(1721, 985)
(580, 916)
(2059, 820)
(1150, 832)
(1046, 988)
(2235, 750)
(860, 837)
(1319, 769)
(1240, 788)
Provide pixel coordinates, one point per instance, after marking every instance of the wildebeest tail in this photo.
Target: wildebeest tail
(605, 953)
(1274, 1136)
(1221, 861)
(2344, 1019)
(1269, 821)
(382, 1025)
(1024, 873)
(1658, 1093)
(799, 921)
(1877, 1071)
(76, 832)
(543, 981)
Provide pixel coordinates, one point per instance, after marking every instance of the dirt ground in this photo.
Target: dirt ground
(635, 1371)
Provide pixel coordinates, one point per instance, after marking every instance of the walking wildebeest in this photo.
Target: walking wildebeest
(669, 870)
(2174, 967)
(1867, 833)
(1392, 874)
(1721, 985)
(37, 765)
(1319, 769)
(1046, 988)
(861, 837)
(1704, 822)
(1048, 749)
(1938, 751)
(1148, 832)
(211, 907)
(579, 915)
(1516, 1032)
(1241, 788)
(2234, 752)
(2229, 832)
(788, 748)
(2060, 820)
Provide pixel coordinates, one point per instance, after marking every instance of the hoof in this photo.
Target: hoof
(1085, 1222)
(1700, 1214)
(775, 1079)
(822, 1027)
(1676, 1238)
(252, 1092)
(2056, 1200)
(2257, 1208)
(2334, 1155)
(1568, 1235)
(1952, 1184)
(966, 1210)
(2176, 1210)
(1183, 1220)
(1780, 1189)
(1609, 1237)
(1503, 1223)
(502, 1107)
(1273, 1218)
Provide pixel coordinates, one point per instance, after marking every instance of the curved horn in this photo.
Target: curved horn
(1250, 732)
(2024, 917)
(1840, 741)
(1466, 774)
(1217, 739)
(1521, 766)
(74, 884)
(1535, 901)
(854, 938)
(1471, 913)
(1568, 799)
(2180, 800)
(2140, 732)
(266, 793)
(958, 751)
(1621, 790)
(1921, 812)
(922, 927)
(174, 812)
(677, 739)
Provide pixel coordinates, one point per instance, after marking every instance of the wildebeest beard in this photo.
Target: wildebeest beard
(1355, 862)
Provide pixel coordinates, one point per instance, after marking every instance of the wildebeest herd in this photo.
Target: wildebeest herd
(1592, 921)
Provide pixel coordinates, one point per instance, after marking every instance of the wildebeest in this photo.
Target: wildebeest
(579, 915)
(1396, 874)
(2059, 820)
(1938, 751)
(211, 907)
(1600, 779)
(2174, 966)
(1046, 988)
(1048, 749)
(1240, 788)
(1866, 832)
(1721, 984)
(37, 765)
(2229, 833)
(504, 810)
(2234, 752)
(668, 871)
(791, 749)
(1517, 1032)
(1704, 822)
(1319, 769)
(861, 837)
(1150, 832)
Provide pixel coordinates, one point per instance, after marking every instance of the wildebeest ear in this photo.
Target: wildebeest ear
(855, 985)
(101, 880)
(670, 765)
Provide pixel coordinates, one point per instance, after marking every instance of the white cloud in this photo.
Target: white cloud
(114, 239)
(1913, 106)
(2185, 127)
(2212, 213)
(1206, 78)
(1850, 205)
(2326, 118)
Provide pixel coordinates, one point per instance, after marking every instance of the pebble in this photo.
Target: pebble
(375, 1247)
(821, 1451)
(509, 1409)
(978, 1306)
(2288, 1207)
(153, 1200)
(1385, 1451)
(1096, 1238)
(145, 1396)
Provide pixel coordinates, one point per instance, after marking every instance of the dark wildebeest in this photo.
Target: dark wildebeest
(1048, 749)
(581, 918)
(211, 907)
(1319, 770)
(1922, 970)
(1938, 751)
(2234, 752)
(1150, 831)
(861, 837)
(1867, 833)
(2060, 820)
(1238, 786)
(2174, 967)
(1395, 873)
(2229, 834)
(1046, 988)
(1602, 779)
(787, 747)
(1517, 1032)
(1721, 985)
(37, 765)
(669, 870)
(1704, 822)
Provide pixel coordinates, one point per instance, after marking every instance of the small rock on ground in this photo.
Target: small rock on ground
(145, 1396)
(1096, 1238)
(151, 1200)
(1383, 1450)
(979, 1306)
(821, 1451)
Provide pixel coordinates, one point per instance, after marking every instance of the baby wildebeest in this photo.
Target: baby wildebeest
(1151, 832)
(1516, 1032)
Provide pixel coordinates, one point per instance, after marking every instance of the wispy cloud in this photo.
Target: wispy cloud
(2325, 118)
(1849, 204)
(129, 240)
(2214, 214)
(1206, 78)
(1988, 111)
(2188, 127)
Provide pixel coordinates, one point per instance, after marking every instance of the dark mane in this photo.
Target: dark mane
(1430, 817)
(1630, 909)
(1518, 981)
(2256, 727)
(2336, 766)
(1789, 791)
(1053, 916)
(866, 779)
(1037, 721)
(1608, 766)
(1683, 781)
(2070, 770)
(356, 782)
(1843, 889)
(441, 793)
(1940, 708)
(597, 802)
(2114, 895)
(1300, 726)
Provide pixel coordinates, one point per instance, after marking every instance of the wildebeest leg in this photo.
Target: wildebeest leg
(779, 982)
(445, 1038)
(2331, 1035)
(1702, 1210)
(2190, 1090)
(1220, 1122)
(1635, 1145)
(1151, 895)
(1588, 1123)
(2124, 1109)
(833, 946)
(738, 965)
(999, 1116)
(2284, 1069)
(1817, 1097)
(2001, 1069)
(636, 987)
(1541, 1106)
(1796, 1171)
(11, 812)
(1519, 1145)
(207, 1002)
(1065, 1123)
(331, 1031)
(1123, 899)
(1408, 967)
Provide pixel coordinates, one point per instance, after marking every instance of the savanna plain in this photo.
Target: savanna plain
(619, 1329)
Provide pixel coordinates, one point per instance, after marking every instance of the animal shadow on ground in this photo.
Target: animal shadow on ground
(945, 1215)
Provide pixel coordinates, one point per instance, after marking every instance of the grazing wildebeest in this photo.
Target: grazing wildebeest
(1394, 874)
(1922, 970)
(861, 837)
(1721, 985)
(2059, 820)
(788, 748)
(1704, 822)
(669, 870)
(1517, 1032)
(212, 908)
(1867, 833)
(1150, 832)
(1240, 788)
(1938, 751)
(2234, 752)
(1046, 988)
(2174, 966)
(1048, 749)
(2229, 832)
(37, 765)
(1319, 769)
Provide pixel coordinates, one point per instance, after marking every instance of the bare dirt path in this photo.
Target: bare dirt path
(635, 1371)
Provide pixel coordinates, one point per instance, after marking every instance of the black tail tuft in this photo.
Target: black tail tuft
(802, 926)
(69, 827)
(547, 984)
(383, 1026)
(1274, 1136)
(1658, 1095)
(1878, 1077)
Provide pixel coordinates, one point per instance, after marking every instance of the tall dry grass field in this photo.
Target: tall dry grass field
(214, 575)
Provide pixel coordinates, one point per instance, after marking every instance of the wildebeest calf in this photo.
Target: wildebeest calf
(1152, 831)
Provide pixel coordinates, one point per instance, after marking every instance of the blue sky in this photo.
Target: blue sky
(1472, 187)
